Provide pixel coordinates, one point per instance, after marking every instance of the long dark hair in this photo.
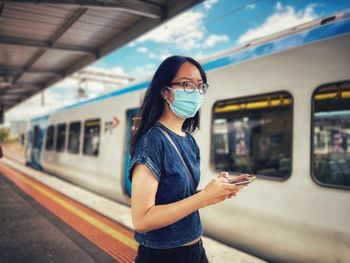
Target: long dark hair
(153, 103)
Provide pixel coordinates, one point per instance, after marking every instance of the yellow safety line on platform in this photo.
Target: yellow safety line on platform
(84, 216)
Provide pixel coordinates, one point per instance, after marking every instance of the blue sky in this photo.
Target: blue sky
(214, 26)
(208, 28)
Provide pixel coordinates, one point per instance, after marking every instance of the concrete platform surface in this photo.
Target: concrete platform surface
(216, 251)
(30, 233)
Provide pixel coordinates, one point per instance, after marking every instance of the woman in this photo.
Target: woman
(165, 167)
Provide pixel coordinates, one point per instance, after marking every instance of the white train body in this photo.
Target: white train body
(295, 219)
(108, 166)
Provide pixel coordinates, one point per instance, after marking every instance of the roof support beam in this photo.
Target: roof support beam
(4, 69)
(151, 12)
(136, 7)
(143, 26)
(127, 35)
(5, 40)
(23, 87)
(69, 23)
(13, 96)
(8, 102)
(21, 90)
(1, 9)
(117, 40)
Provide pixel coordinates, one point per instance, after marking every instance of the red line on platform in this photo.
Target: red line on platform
(116, 249)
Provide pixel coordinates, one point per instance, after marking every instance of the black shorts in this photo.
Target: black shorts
(186, 254)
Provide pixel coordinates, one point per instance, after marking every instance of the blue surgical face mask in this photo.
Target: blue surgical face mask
(185, 105)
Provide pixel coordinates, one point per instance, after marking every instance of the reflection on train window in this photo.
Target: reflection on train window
(135, 123)
(253, 135)
(29, 138)
(61, 137)
(331, 135)
(92, 137)
(36, 136)
(74, 137)
(50, 133)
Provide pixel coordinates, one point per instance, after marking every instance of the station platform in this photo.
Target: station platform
(46, 219)
(30, 233)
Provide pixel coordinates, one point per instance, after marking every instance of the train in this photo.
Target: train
(278, 107)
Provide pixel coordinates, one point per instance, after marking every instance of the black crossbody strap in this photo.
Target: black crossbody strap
(179, 154)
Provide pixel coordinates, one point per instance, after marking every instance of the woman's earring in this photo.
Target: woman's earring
(164, 94)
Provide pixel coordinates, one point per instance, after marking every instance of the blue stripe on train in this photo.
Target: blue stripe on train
(291, 41)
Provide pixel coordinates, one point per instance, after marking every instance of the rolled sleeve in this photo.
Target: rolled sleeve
(148, 151)
(146, 161)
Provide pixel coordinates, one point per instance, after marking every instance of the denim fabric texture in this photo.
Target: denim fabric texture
(155, 151)
(186, 254)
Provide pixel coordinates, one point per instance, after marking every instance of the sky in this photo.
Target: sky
(205, 29)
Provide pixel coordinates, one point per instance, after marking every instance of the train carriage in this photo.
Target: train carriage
(278, 107)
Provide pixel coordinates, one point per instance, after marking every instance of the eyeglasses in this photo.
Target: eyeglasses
(189, 86)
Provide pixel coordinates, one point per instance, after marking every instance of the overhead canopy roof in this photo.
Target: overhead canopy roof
(42, 42)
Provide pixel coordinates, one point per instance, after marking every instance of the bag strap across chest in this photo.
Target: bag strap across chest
(180, 156)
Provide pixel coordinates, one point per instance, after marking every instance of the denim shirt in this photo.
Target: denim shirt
(155, 151)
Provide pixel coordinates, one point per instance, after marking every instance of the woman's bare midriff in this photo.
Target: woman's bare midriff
(192, 242)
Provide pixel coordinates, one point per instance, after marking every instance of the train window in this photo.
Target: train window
(133, 118)
(74, 137)
(35, 136)
(92, 137)
(253, 135)
(331, 135)
(50, 133)
(61, 137)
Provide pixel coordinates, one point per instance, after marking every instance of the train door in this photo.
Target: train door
(35, 146)
(131, 117)
(28, 146)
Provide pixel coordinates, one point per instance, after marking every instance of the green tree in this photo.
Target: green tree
(4, 134)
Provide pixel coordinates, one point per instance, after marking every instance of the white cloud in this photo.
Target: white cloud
(32, 107)
(279, 6)
(212, 40)
(251, 6)
(199, 55)
(144, 71)
(164, 55)
(142, 49)
(208, 4)
(153, 55)
(21, 113)
(131, 44)
(64, 93)
(117, 70)
(285, 17)
(185, 32)
(177, 29)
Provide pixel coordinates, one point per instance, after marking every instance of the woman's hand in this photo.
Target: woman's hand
(226, 177)
(219, 189)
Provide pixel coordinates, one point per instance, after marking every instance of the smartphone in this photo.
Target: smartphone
(243, 181)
